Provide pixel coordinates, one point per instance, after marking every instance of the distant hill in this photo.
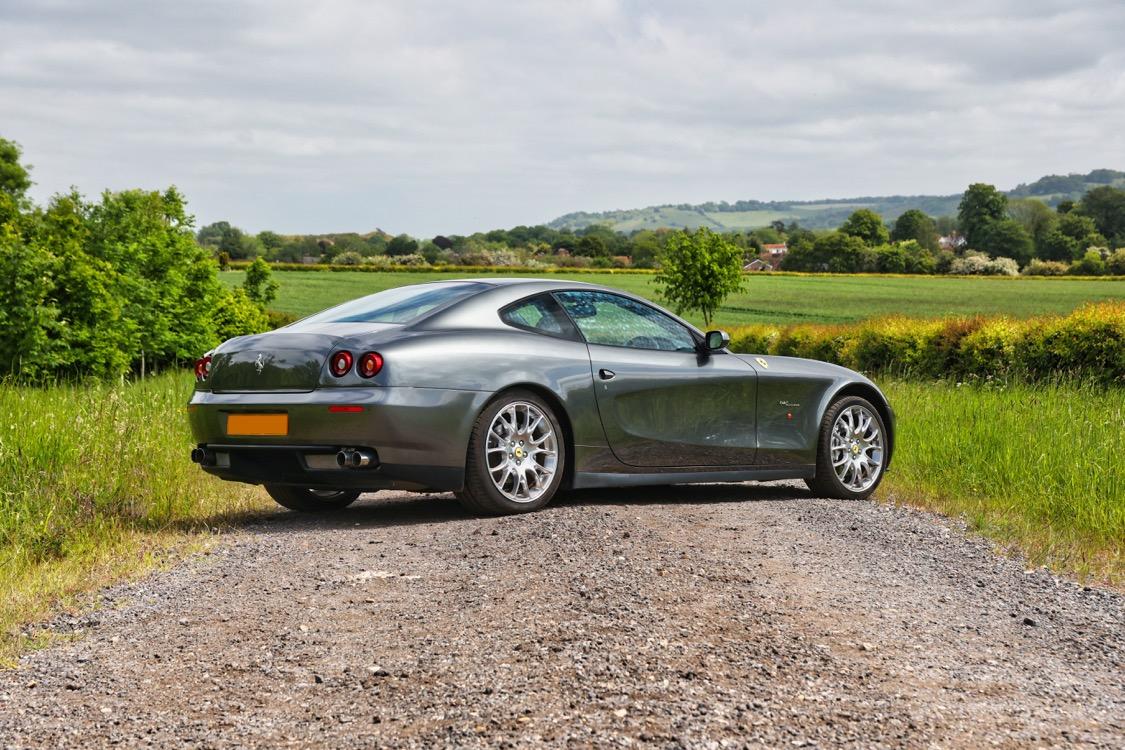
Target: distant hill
(823, 214)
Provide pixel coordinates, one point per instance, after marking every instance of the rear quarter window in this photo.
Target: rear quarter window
(540, 314)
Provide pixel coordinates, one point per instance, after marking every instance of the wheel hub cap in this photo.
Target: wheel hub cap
(857, 448)
(521, 452)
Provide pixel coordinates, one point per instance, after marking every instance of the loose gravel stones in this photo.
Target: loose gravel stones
(703, 616)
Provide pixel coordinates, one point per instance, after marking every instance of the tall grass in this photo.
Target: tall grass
(1038, 467)
(95, 484)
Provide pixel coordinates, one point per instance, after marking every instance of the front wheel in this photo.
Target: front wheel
(851, 452)
(311, 501)
(516, 456)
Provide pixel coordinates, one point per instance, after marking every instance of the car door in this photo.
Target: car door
(663, 403)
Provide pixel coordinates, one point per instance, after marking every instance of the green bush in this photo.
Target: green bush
(1088, 344)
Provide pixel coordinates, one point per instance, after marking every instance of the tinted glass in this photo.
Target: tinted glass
(619, 321)
(402, 305)
(540, 314)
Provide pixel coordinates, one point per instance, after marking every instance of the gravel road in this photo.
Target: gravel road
(705, 616)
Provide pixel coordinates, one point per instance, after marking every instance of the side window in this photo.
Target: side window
(612, 320)
(541, 314)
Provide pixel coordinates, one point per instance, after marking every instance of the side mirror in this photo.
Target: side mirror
(716, 340)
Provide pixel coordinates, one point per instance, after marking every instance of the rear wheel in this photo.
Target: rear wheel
(851, 452)
(516, 457)
(311, 501)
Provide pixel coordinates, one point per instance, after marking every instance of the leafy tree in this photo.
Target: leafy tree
(1081, 229)
(698, 270)
(981, 205)
(259, 284)
(14, 177)
(915, 225)
(592, 246)
(212, 234)
(1006, 239)
(1115, 263)
(1106, 206)
(1090, 264)
(1034, 216)
(867, 226)
(1058, 246)
(403, 244)
(945, 225)
(835, 251)
(271, 242)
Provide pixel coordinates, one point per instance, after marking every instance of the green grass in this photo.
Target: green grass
(95, 485)
(1037, 468)
(765, 299)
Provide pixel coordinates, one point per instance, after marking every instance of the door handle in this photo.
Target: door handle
(605, 374)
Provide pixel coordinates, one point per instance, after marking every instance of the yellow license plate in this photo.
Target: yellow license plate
(258, 424)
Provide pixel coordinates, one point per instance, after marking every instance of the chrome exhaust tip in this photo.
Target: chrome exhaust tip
(202, 456)
(354, 458)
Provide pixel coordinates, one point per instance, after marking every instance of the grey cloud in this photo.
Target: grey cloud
(428, 116)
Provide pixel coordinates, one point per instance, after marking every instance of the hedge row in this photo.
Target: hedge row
(241, 265)
(1088, 343)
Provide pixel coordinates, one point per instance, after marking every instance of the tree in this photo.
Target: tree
(259, 284)
(14, 177)
(592, 246)
(867, 226)
(835, 251)
(1034, 216)
(915, 225)
(403, 244)
(212, 234)
(980, 206)
(1106, 206)
(1058, 246)
(1090, 264)
(1115, 263)
(1081, 229)
(698, 270)
(1006, 239)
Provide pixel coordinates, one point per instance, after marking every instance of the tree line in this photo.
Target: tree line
(991, 234)
(108, 286)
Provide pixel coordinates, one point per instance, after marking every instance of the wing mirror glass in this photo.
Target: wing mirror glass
(716, 340)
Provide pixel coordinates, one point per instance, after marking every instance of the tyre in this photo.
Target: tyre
(516, 456)
(311, 501)
(851, 450)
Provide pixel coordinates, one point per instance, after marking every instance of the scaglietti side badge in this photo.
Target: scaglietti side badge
(259, 364)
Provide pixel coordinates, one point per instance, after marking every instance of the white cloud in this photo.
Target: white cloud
(426, 116)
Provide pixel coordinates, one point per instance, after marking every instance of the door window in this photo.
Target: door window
(612, 320)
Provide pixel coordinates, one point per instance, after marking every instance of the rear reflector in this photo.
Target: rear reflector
(345, 409)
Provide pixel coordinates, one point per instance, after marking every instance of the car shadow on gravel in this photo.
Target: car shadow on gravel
(379, 511)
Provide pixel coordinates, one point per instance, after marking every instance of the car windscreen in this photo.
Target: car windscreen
(401, 305)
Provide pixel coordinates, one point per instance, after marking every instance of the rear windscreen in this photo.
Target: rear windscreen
(401, 305)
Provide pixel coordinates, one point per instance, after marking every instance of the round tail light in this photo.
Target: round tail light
(202, 368)
(341, 363)
(370, 364)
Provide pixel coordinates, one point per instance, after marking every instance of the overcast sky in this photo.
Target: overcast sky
(452, 117)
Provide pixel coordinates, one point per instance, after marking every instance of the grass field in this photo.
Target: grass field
(95, 486)
(766, 299)
(1037, 468)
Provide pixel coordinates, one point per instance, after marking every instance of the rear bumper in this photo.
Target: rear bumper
(419, 436)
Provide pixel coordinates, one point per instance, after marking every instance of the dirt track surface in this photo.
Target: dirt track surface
(704, 616)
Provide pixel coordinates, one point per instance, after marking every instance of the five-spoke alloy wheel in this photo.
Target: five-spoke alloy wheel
(851, 453)
(516, 456)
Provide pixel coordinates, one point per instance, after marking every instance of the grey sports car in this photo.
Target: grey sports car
(505, 391)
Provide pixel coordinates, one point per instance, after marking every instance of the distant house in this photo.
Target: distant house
(769, 259)
(758, 265)
(952, 242)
